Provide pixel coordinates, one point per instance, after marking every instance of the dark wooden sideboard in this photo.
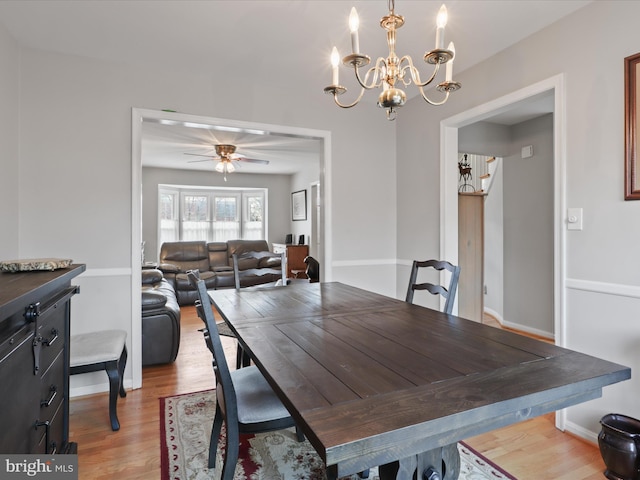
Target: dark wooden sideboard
(34, 360)
(295, 258)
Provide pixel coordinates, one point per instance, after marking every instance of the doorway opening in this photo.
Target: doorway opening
(140, 116)
(449, 182)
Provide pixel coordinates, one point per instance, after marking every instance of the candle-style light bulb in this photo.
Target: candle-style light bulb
(441, 22)
(335, 61)
(449, 64)
(354, 23)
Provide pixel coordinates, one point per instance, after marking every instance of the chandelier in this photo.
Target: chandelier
(392, 73)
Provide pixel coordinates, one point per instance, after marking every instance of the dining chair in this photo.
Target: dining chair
(448, 293)
(242, 359)
(250, 269)
(245, 402)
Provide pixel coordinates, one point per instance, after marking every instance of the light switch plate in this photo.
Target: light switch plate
(574, 219)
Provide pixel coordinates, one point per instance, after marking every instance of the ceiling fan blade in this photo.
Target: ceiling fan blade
(201, 160)
(252, 160)
(199, 155)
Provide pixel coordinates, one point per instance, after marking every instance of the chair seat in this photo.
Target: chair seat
(97, 347)
(257, 402)
(104, 350)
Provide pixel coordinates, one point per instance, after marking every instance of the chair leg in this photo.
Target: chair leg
(122, 363)
(115, 383)
(215, 436)
(299, 434)
(242, 358)
(233, 450)
(239, 357)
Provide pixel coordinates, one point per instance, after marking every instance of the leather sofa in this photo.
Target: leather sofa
(214, 261)
(160, 319)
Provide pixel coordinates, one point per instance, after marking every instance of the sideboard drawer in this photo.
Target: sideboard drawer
(50, 437)
(51, 336)
(52, 388)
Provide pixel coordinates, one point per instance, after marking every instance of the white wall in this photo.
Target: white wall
(303, 181)
(494, 245)
(75, 156)
(602, 260)
(528, 228)
(9, 145)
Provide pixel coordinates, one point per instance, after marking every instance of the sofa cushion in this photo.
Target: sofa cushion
(225, 268)
(269, 262)
(183, 283)
(185, 255)
(242, 246)
(218, 255)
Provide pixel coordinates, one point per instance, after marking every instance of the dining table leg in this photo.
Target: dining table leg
(441, 463)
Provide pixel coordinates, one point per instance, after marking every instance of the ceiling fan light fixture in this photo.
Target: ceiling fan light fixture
(226, 157)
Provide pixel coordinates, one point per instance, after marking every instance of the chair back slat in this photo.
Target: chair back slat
(449, 293)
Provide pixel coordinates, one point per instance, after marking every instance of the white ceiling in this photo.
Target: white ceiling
(280, 37)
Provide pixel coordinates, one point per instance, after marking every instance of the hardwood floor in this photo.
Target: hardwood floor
(533, 449)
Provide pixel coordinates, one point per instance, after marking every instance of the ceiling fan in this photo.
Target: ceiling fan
(225, 156)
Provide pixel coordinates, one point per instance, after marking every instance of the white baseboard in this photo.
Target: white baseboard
(517, 326)
(92, 389)
(581, 432)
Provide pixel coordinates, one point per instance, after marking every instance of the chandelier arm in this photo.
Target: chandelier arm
(415, 73)
(349, 105)
(431, 102)
(376, 69)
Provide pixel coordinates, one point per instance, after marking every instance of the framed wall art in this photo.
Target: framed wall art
(631, 106)
(299, 205)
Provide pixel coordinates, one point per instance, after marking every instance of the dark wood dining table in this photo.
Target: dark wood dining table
(375, 381)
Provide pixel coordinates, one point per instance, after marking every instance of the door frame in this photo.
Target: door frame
(140, 115)
(449, 181)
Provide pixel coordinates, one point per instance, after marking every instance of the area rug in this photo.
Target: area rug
(185, 428)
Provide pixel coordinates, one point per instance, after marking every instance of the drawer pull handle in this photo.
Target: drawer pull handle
(48, 342)
(47, 426)
(53, 391)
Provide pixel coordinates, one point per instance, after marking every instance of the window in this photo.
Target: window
(226, 217)
(195, 216)
(168, 213)
(213, 215)
(254, 215)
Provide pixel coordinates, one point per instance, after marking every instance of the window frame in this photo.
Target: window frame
(242, 196)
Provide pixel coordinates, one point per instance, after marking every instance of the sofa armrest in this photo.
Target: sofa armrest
(151, 276)
(169, 268)
(153, 301)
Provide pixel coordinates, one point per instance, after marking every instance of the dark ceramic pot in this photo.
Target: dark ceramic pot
(619, 442)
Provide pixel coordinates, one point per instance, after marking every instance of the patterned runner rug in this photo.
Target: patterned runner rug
(185, 427)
